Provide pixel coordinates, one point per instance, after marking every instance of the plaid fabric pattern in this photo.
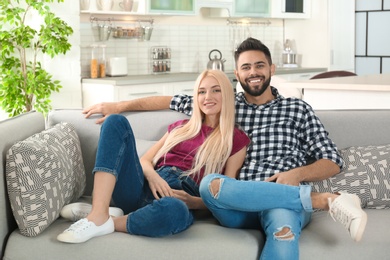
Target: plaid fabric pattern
(285, 134)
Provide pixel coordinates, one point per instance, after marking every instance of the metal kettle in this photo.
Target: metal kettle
(216, 63)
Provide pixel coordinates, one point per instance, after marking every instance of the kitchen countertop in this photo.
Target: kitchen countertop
(352, 92)
(375, 82)
(177, 77)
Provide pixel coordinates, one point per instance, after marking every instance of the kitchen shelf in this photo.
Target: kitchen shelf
(96, 19)
(240, 22)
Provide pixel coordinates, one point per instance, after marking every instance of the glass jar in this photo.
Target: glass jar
(102, 61)
(94, 62)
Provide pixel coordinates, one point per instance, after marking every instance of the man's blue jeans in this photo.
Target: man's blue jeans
(266, 205)
(117, 155)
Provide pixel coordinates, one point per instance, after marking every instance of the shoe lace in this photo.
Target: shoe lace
(79, 226)
(340, 214)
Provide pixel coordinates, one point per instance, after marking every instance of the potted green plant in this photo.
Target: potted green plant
(28, 31)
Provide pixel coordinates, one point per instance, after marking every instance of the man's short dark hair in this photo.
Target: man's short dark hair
(252, 44)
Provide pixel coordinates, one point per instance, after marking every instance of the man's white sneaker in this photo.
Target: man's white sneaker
(346, 209)
(79, 210)
(84, 230)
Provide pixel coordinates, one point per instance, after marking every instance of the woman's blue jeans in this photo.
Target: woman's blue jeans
(266, 205)
(117, 155)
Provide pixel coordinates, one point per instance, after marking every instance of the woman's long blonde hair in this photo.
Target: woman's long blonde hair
(214, 152)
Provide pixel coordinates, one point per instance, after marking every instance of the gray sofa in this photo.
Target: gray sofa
(322, 239)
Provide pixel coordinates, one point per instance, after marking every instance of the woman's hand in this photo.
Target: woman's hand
(159, 187)
(192, 202)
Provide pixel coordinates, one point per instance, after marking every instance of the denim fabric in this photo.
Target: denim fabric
(266, 205)
(117, 155)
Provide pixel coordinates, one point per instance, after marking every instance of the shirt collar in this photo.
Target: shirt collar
(241, 98)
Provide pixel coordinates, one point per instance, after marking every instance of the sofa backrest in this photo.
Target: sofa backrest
(11, 131)
(357, 127)
(346, 128)
(148, 127)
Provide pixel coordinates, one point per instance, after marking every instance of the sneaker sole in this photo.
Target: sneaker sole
(106, 228)
(363, 222)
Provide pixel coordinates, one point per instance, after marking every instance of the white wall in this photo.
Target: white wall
(372, 49)
(191, 39)
(66, 68)
(311, 36)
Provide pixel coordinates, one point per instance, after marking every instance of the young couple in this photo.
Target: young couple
(270, 194)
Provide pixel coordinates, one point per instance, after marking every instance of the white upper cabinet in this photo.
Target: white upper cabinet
(171, 7)
(341, 19)
(251, 8)
(291, 9)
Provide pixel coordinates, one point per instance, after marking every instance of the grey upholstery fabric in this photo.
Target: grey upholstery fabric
(321, 239)
(11, 131)
(44, 173)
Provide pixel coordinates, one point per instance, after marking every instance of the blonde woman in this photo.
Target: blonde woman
(160, 191)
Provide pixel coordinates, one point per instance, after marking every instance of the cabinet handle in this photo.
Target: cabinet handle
(188, 89)
(143, 93)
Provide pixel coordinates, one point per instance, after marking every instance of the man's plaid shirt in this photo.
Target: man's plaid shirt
(285, 134)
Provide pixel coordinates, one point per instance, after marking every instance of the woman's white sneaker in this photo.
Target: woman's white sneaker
(84, 230)
(78, 210)
(346, 210)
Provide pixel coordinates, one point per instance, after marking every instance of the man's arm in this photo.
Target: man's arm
(319, 170)
(140, 104)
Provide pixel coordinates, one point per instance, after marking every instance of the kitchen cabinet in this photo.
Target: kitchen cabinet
(251, 8)
(183, 87)
(139, 8)
(341, 19)
(357, 92)
(96, 93)
(145, 7)
(171, 7)
(291, 9)
(285, 9)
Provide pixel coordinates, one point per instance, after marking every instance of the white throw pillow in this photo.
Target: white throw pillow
(44, 173)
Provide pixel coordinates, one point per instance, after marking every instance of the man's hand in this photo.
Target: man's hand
(317, 171)
(291, 177)
(105, 108)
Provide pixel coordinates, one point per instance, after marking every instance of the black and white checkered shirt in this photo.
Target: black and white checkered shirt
(285, 134)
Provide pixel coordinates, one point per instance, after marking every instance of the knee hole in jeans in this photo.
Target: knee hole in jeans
(215, 186)
(284, 234)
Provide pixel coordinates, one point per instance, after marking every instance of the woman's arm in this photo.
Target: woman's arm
(234, 163)
(233, 166)
(158, 185)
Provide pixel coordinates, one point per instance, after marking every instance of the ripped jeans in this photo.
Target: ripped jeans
(266, 205)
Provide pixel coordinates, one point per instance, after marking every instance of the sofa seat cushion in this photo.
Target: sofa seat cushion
(44, 172)
(205, 239)
(325, 239)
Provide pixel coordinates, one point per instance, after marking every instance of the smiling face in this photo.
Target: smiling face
(254, 73)
(210, 97)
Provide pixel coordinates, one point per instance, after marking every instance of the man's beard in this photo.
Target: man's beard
(257, 90)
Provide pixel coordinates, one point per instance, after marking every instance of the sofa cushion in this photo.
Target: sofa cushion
(367, 171)
(44, 172)
(366, 174)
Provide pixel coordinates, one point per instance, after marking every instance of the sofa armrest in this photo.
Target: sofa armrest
(13, 130)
